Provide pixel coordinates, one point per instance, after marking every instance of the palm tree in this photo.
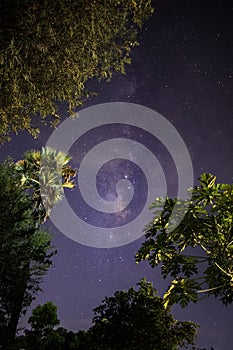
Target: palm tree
(45, 174)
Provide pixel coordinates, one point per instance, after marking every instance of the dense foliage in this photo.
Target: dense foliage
(25, 253)
(137, 319)
(28, 191)
(50, 48)
(133, 319)
(203, 238)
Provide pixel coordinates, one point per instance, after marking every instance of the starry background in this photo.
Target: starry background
(183, 70)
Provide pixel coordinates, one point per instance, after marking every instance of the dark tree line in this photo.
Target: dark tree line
(133, 319)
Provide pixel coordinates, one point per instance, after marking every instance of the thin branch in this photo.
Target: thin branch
(209, 289)
(226, 273)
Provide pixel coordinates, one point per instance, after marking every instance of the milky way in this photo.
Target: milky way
(183, 70)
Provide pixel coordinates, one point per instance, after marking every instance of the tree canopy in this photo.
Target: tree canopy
(44, 335)
(137, 319)
(50, 48)
(198, 253)
(133, 319)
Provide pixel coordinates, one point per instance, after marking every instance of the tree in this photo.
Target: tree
(25, 249)
(44, 318)
(25, 252)
(43, 335)
(203, 238)
(137, 319)
(129, 320)
(45, 173)
(51, 48)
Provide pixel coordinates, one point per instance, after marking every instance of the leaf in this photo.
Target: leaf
(206, 226)
(69, 184)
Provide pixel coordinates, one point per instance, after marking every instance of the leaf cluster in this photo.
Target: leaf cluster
(197, 253)
(45, 174)
(49, 49)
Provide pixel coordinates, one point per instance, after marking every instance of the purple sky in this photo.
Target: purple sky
(183, 70)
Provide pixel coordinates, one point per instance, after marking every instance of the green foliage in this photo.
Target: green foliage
(25, 253)
(44, 317)
(43, 335)
(45, 173)
(204, 236)
(137, 319)
(51, 48)
(28, 191)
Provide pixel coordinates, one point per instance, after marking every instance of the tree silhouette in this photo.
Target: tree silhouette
(137, 319)
(25, 252)
(25, 249)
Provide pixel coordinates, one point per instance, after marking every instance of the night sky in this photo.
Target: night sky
(182, 70)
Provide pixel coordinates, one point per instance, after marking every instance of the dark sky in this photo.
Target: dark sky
(183, 70)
